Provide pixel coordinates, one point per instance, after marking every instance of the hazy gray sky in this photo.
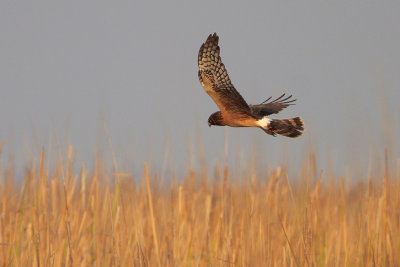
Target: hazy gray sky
(67, 66)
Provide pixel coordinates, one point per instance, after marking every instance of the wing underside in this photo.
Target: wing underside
(215, 79)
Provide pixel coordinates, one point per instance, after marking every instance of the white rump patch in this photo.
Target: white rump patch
(264, 122)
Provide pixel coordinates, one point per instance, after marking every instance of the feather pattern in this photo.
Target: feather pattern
(215, 79)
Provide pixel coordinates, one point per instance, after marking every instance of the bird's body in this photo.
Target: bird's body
(234, 111)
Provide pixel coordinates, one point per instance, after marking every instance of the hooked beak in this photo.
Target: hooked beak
(209, 124)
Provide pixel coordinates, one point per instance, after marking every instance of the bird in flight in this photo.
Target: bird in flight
(234, 111)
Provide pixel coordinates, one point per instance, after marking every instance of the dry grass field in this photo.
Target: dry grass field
(64, 218)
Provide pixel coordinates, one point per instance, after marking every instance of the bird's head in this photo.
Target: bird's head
(215, 119)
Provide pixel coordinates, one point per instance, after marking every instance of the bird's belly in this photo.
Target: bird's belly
(242, 122)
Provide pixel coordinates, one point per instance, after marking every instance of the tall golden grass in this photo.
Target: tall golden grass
(67, 218)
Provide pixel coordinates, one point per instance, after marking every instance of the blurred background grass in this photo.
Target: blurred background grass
(214, 214)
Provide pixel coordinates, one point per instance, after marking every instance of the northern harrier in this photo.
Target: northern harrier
(234, 111)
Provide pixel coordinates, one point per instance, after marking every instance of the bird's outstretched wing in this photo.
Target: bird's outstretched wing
(215, 80)
(272, 107)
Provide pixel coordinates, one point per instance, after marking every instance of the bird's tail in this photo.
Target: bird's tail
(290, 127)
